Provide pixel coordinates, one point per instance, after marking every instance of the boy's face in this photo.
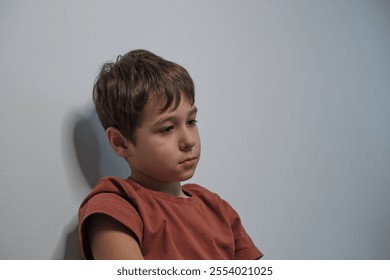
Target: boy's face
(167, 146)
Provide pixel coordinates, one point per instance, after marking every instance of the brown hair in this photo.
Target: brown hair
(122, 89)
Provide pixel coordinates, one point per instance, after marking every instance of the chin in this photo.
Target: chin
(188, 176)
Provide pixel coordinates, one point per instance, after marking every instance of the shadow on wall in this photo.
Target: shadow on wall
(94, 154)
(95, 159)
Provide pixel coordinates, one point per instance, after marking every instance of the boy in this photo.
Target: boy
(146, 104)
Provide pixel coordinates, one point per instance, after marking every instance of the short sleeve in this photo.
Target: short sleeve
(114, 206)
(245, 249)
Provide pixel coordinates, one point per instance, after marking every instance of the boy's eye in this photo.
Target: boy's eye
(166, 129)
(192, 122)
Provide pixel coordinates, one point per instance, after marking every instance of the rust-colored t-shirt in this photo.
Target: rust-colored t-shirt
(203, 226)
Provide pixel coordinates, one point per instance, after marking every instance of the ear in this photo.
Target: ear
(119, 143)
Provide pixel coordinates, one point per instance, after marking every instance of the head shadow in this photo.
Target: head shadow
(94, 155)
(89, 154)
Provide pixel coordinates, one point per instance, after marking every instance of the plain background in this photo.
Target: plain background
(294, 115)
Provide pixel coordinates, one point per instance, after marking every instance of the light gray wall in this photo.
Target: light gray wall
(294, 100)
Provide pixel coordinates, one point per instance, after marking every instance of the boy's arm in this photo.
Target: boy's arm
(110, 240)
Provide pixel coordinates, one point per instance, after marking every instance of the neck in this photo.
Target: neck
(171, 188)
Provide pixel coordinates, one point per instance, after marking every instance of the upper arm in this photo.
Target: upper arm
(111, 240)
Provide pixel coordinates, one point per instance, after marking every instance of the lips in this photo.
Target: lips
(189, 160)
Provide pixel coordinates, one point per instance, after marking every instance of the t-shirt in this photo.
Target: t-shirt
(202, 226)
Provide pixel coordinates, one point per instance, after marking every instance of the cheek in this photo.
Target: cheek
(197, 137)
(157, 151)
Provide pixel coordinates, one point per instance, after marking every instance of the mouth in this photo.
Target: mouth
(189, 160)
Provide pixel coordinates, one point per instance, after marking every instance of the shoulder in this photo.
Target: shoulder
(209, 197)
(116, 199)
(201, 192)
(112, 182)
(114, 185)
(108, 188)
(110, 194)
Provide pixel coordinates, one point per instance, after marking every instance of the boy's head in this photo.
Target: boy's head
(147, 107)
(123, 88)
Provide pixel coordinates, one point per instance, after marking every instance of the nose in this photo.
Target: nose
(187, 140)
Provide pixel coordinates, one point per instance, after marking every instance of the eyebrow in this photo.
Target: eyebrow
(194, 110)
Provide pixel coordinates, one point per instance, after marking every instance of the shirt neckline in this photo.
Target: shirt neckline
(192, 199)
